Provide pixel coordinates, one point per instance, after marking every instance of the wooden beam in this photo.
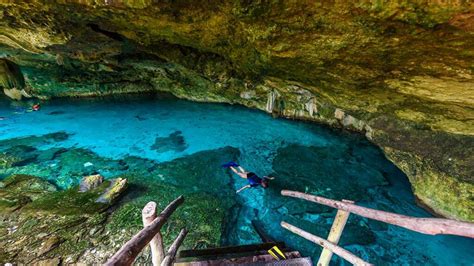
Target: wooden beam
(128, 252)
(334, 235)
(169, 259)
(156, 244)
(347, 255)
(252, 248)
(430, 226)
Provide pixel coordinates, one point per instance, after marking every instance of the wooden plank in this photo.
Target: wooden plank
(262, 259)
(128, 252)
(430, 226)
(230, 250)
(347, 255)
(334, 235)
(156, 244)
(241, 261)
(169, 258)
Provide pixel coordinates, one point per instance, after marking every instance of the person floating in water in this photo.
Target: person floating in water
(252, 178)
(35, 107)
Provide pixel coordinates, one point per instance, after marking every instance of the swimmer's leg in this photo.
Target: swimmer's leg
(243, 175)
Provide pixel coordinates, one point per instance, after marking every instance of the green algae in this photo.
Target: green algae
(68, 224)
(70, 201)
(18, 190)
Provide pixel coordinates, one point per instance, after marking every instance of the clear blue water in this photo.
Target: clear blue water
(302, 156)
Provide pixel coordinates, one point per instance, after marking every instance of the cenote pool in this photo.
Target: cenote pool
(167, 147)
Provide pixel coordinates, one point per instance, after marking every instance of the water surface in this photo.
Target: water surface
(191, 140)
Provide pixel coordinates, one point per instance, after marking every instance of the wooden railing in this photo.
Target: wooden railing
(430, 226)
(150, 234)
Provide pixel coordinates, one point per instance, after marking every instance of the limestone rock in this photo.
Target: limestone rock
(248, 95)
(115, 189)
(90, 182)
(13, 93)
(50, 244)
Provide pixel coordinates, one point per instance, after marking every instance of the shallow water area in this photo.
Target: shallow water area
(165, 146)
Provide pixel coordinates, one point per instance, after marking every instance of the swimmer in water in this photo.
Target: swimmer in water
(252, 178)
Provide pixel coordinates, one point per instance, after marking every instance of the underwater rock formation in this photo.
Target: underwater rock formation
(174, 142)
(68, 223)
(401, 73)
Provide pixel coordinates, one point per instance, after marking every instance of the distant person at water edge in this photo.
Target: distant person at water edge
(35, 107)
(252, 178)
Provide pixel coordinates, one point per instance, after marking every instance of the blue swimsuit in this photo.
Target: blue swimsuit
(254, 180)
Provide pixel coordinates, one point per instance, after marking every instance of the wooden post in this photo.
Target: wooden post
(156, 244)
(128, 252)
(168, 261)
(334, 235)
(430, 226)
(326, 244)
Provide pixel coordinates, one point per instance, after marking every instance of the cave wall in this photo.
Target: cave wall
(400, 72)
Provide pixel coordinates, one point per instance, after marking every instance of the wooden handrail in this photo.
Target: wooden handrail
(430, 226)
(128, 252)
(345, 254)
(169, 258)
(156, 243)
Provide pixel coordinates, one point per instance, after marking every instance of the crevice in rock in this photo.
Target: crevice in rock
(110, 34)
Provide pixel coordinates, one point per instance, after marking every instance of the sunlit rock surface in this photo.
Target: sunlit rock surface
(400, 73)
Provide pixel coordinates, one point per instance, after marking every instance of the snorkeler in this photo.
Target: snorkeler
(252, 178)
(35, 107)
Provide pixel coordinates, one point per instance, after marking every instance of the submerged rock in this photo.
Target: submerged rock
(174, 142)
(343, 178)
(34, 141)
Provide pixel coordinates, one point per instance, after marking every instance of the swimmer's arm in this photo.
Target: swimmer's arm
(243, 188)
(269, 177)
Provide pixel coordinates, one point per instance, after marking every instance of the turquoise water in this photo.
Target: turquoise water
(302, 156)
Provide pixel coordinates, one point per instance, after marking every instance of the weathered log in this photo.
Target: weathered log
(326, 244)
(168, 261)
(334, 235)
(156, 244)
(128, 252)
(430, 226)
